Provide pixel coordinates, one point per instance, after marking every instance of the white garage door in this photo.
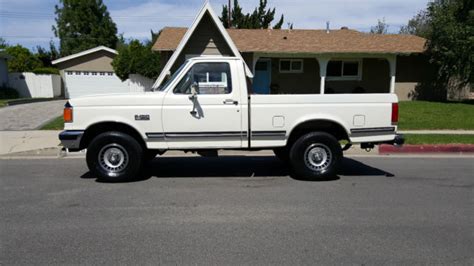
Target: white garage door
(81, 83)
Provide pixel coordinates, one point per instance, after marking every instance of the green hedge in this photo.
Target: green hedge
(8, 93)
(46, 71)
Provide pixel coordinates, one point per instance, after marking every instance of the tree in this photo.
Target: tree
(451, 40)
(47, 56)
(380, 28)
(137, 58)
(83, 24)
(3, 43)
(418, 25)
(260, 18)
(22, 59)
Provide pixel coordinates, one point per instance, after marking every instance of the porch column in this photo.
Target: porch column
(392, 60)
(255, 60)
(323, 65)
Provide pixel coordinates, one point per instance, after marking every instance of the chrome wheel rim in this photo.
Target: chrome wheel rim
(113, 158)
(318, 157)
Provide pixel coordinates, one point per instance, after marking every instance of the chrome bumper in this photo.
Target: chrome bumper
(71, 139)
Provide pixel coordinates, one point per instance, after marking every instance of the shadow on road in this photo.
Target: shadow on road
(351, 167)
(238, 166)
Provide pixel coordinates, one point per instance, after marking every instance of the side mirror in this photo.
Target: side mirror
(194, 91)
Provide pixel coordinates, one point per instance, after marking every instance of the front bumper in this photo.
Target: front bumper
(71, 139)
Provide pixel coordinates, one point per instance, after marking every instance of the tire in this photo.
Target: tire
(114, 157)
(282, 153)
(316, 156)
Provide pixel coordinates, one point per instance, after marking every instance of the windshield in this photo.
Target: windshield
(173, 77)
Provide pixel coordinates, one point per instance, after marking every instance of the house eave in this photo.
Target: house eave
(83, 53)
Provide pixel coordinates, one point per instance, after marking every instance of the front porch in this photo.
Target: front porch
(328, 74)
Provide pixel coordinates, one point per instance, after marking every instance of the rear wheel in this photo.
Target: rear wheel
(114, 157)
(316, 156)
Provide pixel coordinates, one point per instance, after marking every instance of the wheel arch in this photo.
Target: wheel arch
(329, 126)
(101, 127)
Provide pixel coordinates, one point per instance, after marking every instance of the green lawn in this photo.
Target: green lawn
(56, 124)
(439, 139)
(3, 102)
(431, 115)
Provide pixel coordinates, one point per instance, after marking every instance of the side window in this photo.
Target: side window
(211, 78)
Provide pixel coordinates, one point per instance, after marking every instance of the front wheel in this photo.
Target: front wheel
(316, 156)
(114, 157)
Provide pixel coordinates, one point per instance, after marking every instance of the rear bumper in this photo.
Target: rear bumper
(399, 140)
(71, 139)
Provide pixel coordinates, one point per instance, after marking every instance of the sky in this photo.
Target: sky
(29, 22)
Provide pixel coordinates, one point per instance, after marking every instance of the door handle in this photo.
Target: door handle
(230, 101)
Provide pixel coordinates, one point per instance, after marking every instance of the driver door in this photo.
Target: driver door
(203, 109)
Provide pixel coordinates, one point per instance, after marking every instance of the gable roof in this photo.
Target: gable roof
(206, 9)
(306, 41)
(83, 53)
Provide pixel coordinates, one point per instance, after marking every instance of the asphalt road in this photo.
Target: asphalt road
(239, 210)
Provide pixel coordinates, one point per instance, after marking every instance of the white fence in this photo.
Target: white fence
(139, 83)
(30, 85)
(83, 83)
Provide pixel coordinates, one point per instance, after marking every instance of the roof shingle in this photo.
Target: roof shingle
(305, 41)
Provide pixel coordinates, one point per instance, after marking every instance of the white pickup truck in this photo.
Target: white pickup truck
(208, 105)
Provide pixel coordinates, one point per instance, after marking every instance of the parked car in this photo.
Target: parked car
(207, 105)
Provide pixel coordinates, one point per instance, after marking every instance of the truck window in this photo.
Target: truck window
(211, 78)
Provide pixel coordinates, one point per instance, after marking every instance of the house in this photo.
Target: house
(4, 57)
(90, 72)
(303, 61)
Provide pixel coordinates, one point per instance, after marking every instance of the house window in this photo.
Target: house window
(344, 70)
(94, 73)
(85, 73)
(69, 73)
(78, 73)
(102, 73)
(291, 65)
(110, 73)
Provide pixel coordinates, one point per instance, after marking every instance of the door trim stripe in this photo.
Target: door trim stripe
(256, 135)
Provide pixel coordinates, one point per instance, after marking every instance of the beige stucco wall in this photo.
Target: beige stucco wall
(412, 71)
(297, 83)
(98, 61)
(375, 78)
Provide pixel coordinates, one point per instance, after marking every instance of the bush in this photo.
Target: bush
(46, 71)
(8, 93)
(136, 58)
(23, 60)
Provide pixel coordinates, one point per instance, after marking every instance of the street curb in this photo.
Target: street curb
(447, 148)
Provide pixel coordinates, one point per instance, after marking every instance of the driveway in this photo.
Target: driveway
(29, 116)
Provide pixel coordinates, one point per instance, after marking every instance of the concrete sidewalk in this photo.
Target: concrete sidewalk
(22, 141)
